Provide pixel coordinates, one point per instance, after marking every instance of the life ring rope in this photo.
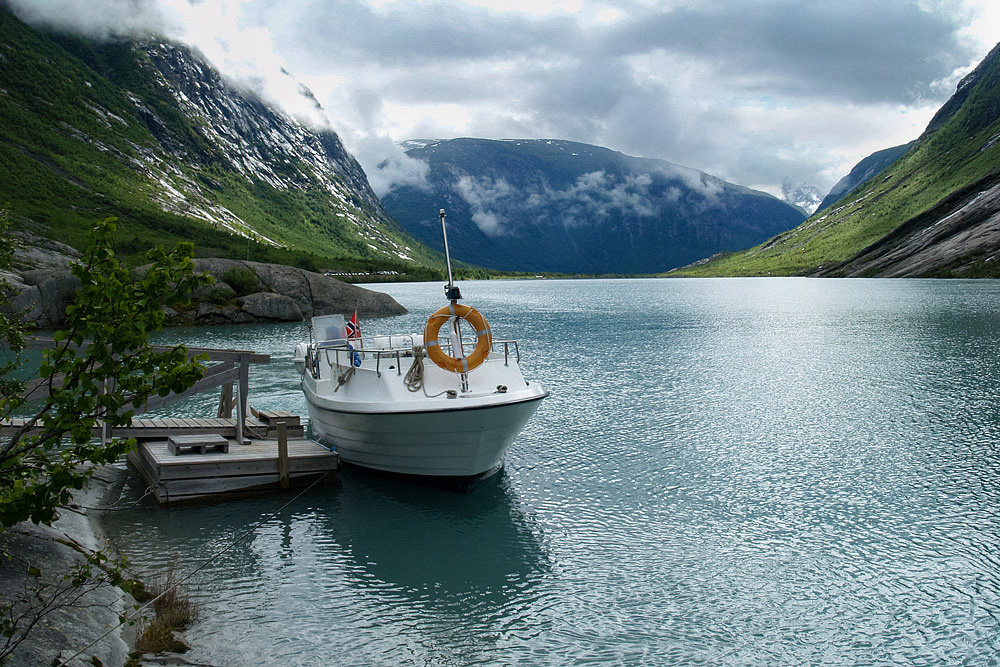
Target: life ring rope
(484, 338)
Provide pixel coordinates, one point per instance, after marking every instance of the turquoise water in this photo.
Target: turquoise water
(726, 472)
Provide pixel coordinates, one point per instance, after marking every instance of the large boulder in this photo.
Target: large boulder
(313, 293)
(37, 252)
(41, 295)
(41, 286)
(271, 306)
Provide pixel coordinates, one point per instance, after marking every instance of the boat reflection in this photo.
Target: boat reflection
(434, 545)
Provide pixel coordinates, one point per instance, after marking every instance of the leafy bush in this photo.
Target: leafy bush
(99, 369)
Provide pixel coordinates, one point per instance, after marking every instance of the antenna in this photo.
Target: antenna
(450, 291)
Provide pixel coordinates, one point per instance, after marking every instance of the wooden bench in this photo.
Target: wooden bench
(198, 442)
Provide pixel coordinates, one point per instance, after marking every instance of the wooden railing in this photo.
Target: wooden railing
(231, 367)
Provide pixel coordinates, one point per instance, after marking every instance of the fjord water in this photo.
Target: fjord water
(726, 472)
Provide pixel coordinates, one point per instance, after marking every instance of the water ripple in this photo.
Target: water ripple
(727, 472)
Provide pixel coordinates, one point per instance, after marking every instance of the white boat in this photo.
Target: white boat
(431, 405)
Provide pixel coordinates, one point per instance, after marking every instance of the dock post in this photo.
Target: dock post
(283, 480)
(241, 405)
(226, 401)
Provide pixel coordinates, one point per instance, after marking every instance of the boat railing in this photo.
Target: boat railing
(342, 353)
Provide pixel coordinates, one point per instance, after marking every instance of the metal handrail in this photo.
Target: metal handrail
(340, 345)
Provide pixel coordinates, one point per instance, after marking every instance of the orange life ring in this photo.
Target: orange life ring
(484, 339)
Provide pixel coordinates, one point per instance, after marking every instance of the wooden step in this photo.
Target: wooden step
(199, 442)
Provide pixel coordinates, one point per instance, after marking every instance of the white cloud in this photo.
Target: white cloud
(482, 194)
(753, 92)
(396, 170)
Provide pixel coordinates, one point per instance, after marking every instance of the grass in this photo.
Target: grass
(173, 611)
(960, 152)
(90, 132)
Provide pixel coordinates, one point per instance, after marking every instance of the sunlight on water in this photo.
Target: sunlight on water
(779, 471)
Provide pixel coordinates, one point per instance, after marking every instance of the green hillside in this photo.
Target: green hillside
(92, 130)
(960, 148)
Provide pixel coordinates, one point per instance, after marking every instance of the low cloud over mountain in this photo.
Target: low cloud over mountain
(545, 205)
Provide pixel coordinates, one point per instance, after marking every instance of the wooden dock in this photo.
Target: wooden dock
(188, 459)
(192, 476)
(161, 428)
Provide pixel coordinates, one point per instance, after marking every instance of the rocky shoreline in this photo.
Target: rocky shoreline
(41, 286)
(42, 555)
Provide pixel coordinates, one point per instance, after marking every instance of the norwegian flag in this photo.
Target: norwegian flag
(353, 329)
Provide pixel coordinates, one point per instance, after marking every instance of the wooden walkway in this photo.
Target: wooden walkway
(186, 458)
(161, 428)
(192, 476)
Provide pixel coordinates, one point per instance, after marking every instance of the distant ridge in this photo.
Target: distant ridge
(934, 211)
(562, 206)
(863, 171)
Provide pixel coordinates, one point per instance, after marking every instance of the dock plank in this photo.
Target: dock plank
(245, 468)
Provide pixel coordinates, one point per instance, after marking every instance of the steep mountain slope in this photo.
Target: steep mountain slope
(546, 205)
(152, 134)
(862, 172)
(933, 212)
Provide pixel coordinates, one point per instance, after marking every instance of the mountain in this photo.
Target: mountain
(147, 131)
(862, 172)
(560, 206)
(934, 211)
(804, 197)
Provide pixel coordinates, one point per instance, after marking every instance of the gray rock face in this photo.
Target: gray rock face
(41, 295)
(43, 287)
(286, 294)
(950, 238)
(68, 629)
(36, 252)
(271, 306)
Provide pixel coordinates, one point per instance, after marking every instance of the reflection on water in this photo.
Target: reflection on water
(726, 472)
(437, 547)
(344, 559)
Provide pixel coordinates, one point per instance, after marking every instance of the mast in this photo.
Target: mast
(450, 291)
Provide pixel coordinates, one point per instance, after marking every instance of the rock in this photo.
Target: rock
(312, 293)
(271, 306)
(82, 625)
(42, 288)
(219, 293)
(285, 280)
(37, 252)
(42, 295)
(210, 313)
(56, 290)
(329, 295)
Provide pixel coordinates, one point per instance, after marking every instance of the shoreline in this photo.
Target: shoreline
(70, 627)
(80, 624)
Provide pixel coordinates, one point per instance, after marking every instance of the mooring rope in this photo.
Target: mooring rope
(76, 507)
(210, 560)
(342, 378)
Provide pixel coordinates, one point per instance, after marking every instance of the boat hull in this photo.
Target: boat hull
(458, 442)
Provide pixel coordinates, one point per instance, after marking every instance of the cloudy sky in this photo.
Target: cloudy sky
(758, 92)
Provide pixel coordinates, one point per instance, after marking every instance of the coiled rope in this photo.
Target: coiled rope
(414, 379)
